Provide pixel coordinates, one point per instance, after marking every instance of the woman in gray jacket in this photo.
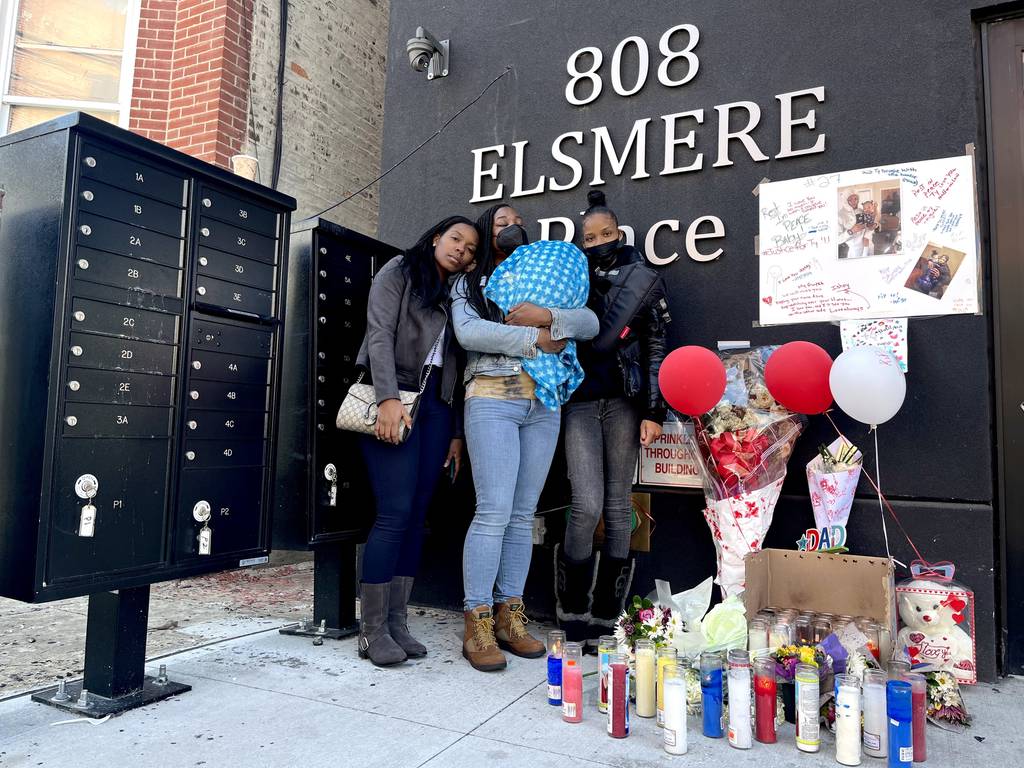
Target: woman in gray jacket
(408, 341)
(511, 437)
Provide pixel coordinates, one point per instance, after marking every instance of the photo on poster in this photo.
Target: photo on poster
(935, 270)
(869, 219)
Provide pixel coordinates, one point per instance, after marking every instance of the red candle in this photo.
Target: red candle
(618, 698)
(765, 690)
(919, 711)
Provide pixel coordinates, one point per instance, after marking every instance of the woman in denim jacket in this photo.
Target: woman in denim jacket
(511, 437)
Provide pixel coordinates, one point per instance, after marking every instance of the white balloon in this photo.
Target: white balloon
(867, 384)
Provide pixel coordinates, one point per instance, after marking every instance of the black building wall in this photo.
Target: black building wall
(900, 85)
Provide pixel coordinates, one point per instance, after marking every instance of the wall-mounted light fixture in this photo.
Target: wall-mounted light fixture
(428, 54)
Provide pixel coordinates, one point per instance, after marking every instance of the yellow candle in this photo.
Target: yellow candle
(646, 700)
(666, 658)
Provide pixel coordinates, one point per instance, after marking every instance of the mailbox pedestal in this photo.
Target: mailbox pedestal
(324, 503)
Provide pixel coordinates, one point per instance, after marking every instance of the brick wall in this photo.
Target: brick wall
(333, 103)
(191, 91)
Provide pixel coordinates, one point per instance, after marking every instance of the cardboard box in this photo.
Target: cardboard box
(815, 581)
(640, 540)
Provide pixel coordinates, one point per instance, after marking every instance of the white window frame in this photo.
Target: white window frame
(123, 105)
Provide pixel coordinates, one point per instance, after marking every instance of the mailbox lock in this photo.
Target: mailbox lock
(87, 486)
(201, 290)
(323, 273)
(79, 316)
(207, 202)
(88, 195)
(323, 320)
(323, 297)
(194, 394)
(71, 421)
(91, 162)
(318, 426)
(193, 424)
(201, 511)
(321, 403)
(323, 251)
(197, 364)
(205, 231)
(83, 264)
(85, 229)
(77, 351)
(203, 261)
(191, 455)
(331, 472)
(321, 379)
(322, 355)
(74, 386)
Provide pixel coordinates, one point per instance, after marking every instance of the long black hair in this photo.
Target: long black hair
(485, 257)
(420, 268)
(598, 204)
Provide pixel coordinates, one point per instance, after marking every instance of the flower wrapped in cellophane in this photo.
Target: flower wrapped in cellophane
(743, 445)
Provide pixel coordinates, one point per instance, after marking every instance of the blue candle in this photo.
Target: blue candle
(556, 643)
(711, 694)
(901, 731)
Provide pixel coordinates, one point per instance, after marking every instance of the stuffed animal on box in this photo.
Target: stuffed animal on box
(931, 613)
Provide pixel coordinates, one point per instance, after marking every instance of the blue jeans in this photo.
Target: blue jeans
(403, 479)
(511, 444)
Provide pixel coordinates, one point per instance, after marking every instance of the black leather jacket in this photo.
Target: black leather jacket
(634, 315)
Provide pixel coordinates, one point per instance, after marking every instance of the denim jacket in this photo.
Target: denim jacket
(496, 349)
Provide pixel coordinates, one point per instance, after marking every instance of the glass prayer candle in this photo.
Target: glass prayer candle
(572, 683)
(848, 738)
(618, 696)
(842, 620)
(898, 699)
(885, 641)
(711, 693)
(606, 648)
(765, 693)
(739, 699)
(804, 630)
(871, 632)
(821, 629)
(919, 713)
(876, 728)
(674, 735)
(646, 696)
(556, 642)
(757, 634)
(781, 634)
(897, 669)
(665, 657)
(766, 613)
(808, 729)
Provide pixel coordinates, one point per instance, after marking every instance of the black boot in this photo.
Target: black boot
(611, 588)
(574, 587)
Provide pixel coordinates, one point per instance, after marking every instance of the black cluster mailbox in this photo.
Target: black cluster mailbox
(328, 507)
(141, 299)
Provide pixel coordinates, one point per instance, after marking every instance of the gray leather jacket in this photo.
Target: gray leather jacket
(400, 333)
(494, 349)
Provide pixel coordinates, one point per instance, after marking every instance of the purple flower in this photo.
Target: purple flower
(628, 628)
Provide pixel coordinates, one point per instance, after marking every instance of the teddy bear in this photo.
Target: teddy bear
(931, 613)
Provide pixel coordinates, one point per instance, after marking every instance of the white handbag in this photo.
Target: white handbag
(358, 412)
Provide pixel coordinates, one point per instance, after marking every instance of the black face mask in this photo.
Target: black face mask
(603, 255)
(510, 238)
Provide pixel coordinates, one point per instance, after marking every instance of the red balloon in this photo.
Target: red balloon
(797, 377)
(692, 380)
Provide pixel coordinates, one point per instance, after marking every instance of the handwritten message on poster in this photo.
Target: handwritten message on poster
(890, 335)
(893, 241)
(667, 461)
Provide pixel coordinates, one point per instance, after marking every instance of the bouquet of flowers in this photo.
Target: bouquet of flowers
(788, 656)
(945, 704)
(832, 478)
(743, 445)
(645, 620)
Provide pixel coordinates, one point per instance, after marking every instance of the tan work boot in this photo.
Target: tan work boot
(478, 644)
(510, 630)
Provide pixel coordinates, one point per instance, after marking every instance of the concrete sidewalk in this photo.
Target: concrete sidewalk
(273, 700)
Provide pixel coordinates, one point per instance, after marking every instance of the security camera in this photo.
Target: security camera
(428, 54)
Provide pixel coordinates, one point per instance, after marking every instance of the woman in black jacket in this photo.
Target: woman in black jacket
(617, 408)
(409, 339)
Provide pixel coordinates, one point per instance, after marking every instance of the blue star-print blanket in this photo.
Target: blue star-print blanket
(551, 274)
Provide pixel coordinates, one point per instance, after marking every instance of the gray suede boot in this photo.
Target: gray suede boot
(398, 618)
(374, 641)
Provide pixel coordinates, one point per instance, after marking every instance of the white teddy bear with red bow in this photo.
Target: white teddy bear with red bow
(931, 613)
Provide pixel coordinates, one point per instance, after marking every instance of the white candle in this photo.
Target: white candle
(646, 692)
(740, 735)
(674, 736)
(847, 720)
(876, 728)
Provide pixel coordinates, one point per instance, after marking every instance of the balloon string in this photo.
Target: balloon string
(881, 497)
(881, 511)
